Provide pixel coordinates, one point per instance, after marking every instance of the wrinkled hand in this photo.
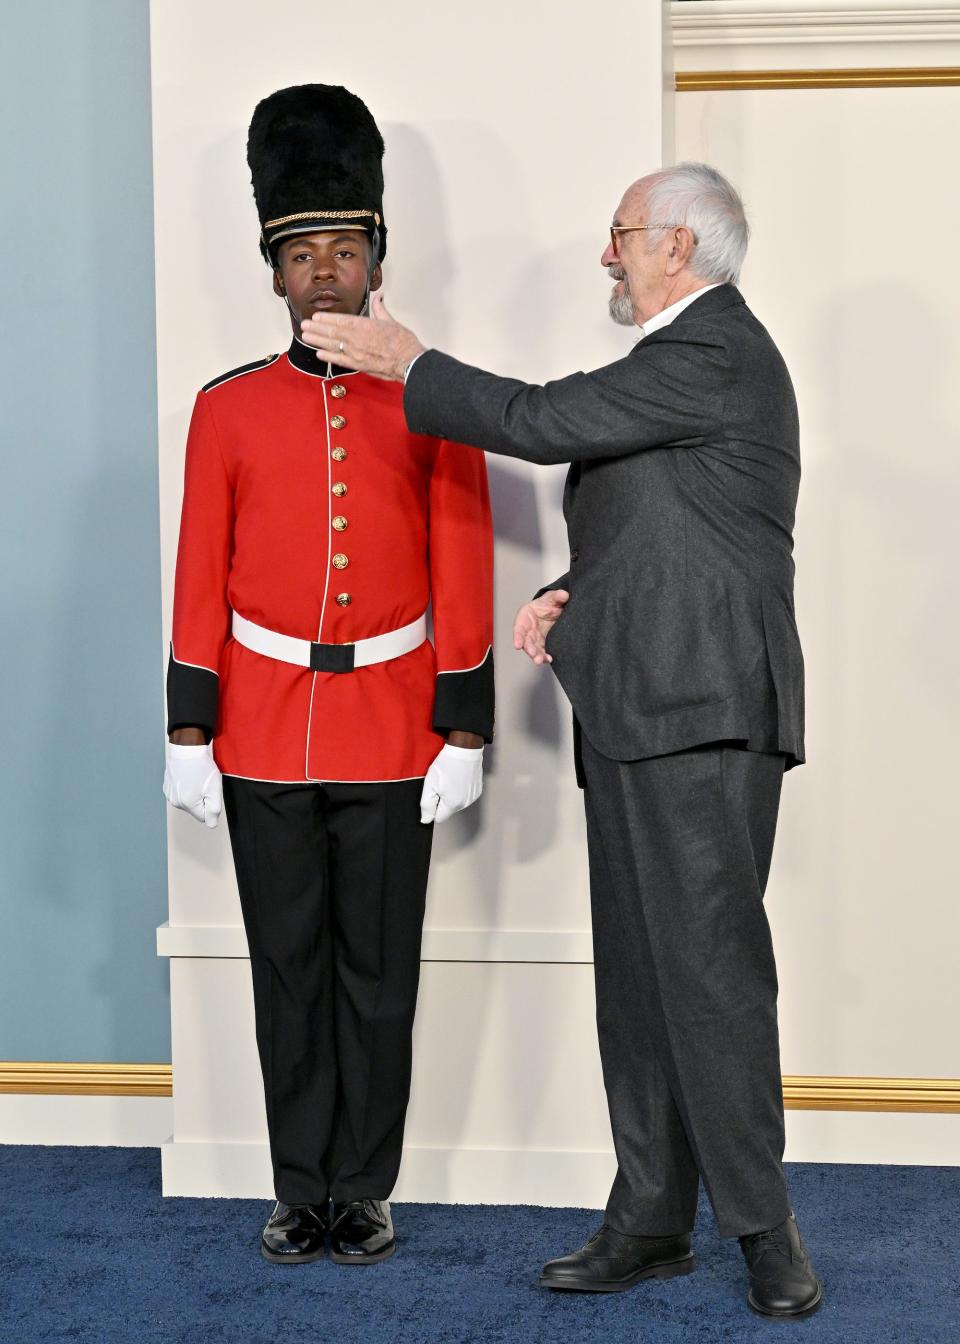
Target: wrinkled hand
(535, 620)
(193, 783)
(453, 782)
(375, 344)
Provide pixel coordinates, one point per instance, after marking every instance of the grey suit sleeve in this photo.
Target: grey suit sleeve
(563, 582)
(668, 390)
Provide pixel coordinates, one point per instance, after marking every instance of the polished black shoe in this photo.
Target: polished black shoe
(362, 1232)
(782, 1279)
(295, 1233)
(612, 1261)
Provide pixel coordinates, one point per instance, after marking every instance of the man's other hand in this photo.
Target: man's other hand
(376, 344)
(535, 620)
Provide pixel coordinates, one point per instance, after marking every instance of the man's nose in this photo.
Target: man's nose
(609, 257)
(323, 268)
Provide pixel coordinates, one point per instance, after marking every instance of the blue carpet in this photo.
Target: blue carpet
(90, 1251)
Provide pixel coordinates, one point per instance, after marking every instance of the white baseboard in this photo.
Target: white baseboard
(885, 1137)
(428, 1175)
(457, 1176)
(559, 1179)
(127, 1122)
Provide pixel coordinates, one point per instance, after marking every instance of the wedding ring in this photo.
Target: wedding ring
(340, 347)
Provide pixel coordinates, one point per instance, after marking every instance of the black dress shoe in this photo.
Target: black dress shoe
(612, 1261)
(782, 1279)
(362, 1232)
(295, 1233)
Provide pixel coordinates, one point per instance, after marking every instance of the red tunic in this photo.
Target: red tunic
(310, 509)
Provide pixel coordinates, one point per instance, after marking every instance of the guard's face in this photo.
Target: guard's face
(325, 273)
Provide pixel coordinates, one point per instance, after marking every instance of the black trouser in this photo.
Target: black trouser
(332, 881)
(680, 849)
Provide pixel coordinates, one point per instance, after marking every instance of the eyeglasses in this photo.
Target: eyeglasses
(616, 229)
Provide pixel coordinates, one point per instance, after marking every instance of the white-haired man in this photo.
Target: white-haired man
(673, 634)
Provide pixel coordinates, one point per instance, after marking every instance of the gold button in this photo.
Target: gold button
(344, 599)
(339, 523)
(339, 489)
(340, 561)
(339, 454)
(338, 390)
(338, 421)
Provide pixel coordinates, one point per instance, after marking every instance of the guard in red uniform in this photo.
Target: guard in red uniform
(304, 693)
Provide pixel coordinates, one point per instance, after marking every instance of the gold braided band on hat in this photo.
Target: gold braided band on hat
(314, 214)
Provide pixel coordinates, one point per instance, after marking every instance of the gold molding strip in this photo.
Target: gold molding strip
(87, 1080)
(800, 1093)
(872, 1094)
(701, 81)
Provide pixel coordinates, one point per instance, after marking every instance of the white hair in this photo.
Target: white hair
(697, 196)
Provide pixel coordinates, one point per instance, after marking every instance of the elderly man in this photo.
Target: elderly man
(673, 635)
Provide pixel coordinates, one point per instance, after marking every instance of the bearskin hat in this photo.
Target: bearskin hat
(316, 163)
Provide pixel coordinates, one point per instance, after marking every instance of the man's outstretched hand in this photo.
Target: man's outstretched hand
(535, 620)
(375, 344)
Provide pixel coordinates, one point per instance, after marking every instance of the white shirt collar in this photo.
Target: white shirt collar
(666, 316)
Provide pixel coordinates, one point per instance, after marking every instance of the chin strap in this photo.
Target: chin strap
(374, 259)
(286, 299)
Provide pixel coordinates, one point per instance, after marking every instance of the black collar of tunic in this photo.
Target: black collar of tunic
(304, 358)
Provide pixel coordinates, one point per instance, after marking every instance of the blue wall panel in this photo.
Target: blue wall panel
(82, 855)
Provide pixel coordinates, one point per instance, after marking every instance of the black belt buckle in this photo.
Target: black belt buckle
(332, 657)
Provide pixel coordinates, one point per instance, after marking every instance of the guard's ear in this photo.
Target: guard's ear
(279, 288)
(376, 279)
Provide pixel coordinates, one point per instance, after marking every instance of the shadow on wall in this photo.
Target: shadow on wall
(417, 278)
(421, 263)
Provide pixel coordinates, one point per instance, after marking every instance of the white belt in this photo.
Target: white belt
(330, 657)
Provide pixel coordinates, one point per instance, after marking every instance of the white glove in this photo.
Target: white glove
(453, 782)
(192, 782)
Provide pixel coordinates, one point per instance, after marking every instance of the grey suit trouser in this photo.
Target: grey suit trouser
(680, 849)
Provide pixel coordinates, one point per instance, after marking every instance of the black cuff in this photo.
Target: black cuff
(464, 701)
(193, 694)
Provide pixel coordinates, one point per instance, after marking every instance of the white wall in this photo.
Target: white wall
(509, 132)
(852, 197)
(504, 162)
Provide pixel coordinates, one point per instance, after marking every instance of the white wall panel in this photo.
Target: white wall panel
(507, 1103)
(504, 163)
(510, 136)
(852, 202)
(123, 1122)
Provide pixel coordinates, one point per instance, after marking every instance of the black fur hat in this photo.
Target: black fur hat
(316, 162)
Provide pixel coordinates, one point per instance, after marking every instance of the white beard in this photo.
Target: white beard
(621, 303)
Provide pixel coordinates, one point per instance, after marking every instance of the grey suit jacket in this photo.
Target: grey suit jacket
(680, 501)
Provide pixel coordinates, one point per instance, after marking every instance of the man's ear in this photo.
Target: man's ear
(376, 280)
(680, 250)
(278, 286)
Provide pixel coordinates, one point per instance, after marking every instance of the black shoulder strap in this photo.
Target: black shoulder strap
(238, 373)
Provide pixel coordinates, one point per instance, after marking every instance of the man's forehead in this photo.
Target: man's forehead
(631, 203)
